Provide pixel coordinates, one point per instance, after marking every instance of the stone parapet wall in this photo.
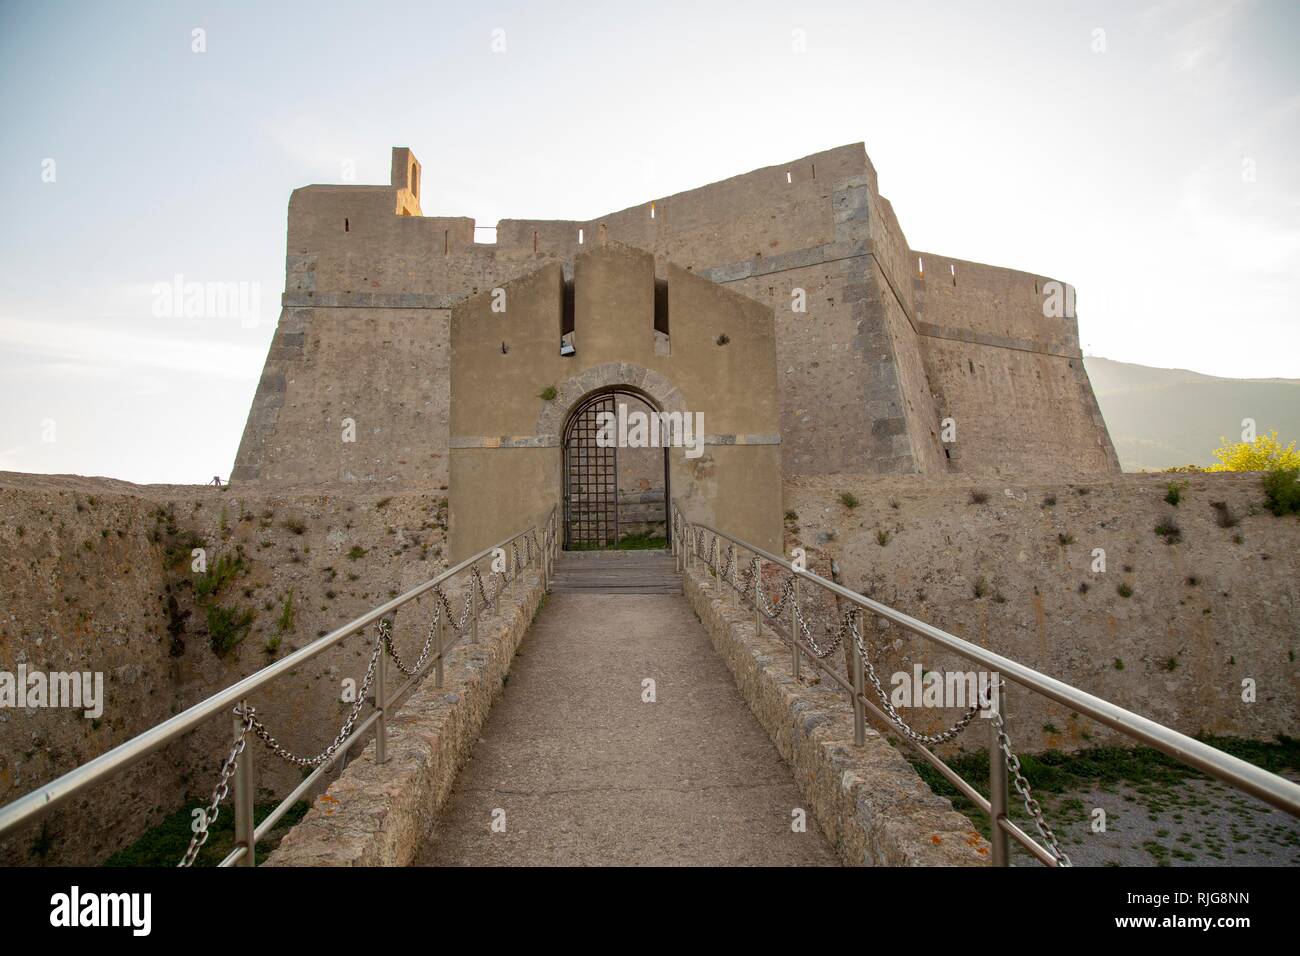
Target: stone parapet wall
(870, 803)
(379, 814)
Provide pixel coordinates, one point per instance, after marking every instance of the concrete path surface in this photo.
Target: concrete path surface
(583, 772)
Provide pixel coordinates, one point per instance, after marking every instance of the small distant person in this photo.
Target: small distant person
(216, 480)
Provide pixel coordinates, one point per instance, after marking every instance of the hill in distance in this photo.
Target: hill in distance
(1166, 417)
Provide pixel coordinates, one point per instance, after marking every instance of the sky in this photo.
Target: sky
(1145, 152)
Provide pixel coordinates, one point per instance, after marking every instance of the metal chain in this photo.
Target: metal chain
(751, 581)
(822, 651)
(219, 792)
(819, 650)
(1032, 807)
(386, 635)
(938, 738)
(276, 748)
(384, 643)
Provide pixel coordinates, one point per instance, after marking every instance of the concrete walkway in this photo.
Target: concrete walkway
(588, 774)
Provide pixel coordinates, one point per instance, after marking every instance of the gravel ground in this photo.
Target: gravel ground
(1194, 823)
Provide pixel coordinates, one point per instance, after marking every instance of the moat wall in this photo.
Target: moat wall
(84, 587)
(1214, 608)
(75, 598)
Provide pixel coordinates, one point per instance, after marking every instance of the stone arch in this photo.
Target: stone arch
(659, 390)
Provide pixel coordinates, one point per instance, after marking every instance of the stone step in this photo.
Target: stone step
(617, 572)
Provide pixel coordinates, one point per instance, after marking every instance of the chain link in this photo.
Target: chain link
(305, 763)
(219, 792)
(752, 582)
(1032, 806)
(383, 644)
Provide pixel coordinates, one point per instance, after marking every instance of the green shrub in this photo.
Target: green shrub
(356, 552)
(1282, 489)
(285, 622)
(882, 537)
(227, 626)
(218, 575)
(548, 394)
(1174, 493)
(849, 500)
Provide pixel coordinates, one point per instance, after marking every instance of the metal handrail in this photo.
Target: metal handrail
(41, 801)
(1269, 787)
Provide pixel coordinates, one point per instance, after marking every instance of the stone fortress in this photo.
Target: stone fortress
(893, 340)
(404, 420)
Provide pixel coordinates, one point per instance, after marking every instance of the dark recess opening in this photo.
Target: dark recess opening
(566, 320)
(661, 306)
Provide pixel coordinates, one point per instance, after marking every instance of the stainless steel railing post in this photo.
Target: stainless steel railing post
(999, 786)
(244, 825)
(473, 604)
(381, 702)
(794, 624)
(859, 692)
(439, 642)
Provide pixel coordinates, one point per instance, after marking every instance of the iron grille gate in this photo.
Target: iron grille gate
(590, 479)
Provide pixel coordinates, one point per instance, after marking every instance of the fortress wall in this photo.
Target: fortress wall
(757, 214)
(752, 215)
(897, 401)
(892, 255)
(499, 393)
(76, 600)
(914, 401)
(104, 608)
(1219, 610)
(991, 305)
(853, 371)
(384, 260)
(386, 369)
(505, 457)
(1011, 377)
(821, 372)
(1018, 414)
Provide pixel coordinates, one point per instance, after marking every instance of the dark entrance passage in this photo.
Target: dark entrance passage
(613, 497)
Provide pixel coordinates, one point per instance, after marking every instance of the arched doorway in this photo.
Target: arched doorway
(615, 495)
